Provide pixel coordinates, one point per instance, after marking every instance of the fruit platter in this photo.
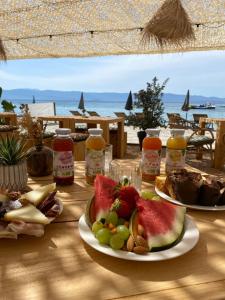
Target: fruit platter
(192, 190)
(122, 223)
(27, 214)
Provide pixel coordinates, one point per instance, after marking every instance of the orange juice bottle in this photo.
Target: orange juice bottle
(176, 151)
(151, 155)
(94, 155)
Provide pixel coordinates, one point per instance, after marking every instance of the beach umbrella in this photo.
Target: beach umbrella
(129, 103)
(81, 103)
(33, 101)
(186, 104)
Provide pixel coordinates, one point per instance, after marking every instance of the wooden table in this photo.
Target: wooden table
(61, 266)
(219, 156)
(9, 117)
(70, 121)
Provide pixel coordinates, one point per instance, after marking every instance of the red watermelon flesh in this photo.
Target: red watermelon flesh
(104, 195)
(163, 222)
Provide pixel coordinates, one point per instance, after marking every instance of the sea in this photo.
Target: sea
(107, 108)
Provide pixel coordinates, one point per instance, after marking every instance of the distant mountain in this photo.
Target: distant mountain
(26, 95)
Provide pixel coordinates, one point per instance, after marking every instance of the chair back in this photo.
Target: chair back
(93, 113)
(75, 113)
(120, 114)
(196, 117)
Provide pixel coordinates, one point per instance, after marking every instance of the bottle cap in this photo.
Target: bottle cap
(153, 131)
(94, 131)
(177, 132)
(63, 131)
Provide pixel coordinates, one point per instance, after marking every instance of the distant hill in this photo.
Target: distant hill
(54, 95)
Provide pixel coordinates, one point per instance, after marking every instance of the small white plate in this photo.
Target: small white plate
(188, 241)
(196, 207)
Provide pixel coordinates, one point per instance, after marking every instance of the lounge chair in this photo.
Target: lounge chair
(75, 113)
(93, 113)
(197, 117)
(176, 121)
(121, 115)
(199, 142)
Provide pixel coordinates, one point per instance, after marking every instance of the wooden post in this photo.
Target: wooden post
(120, 136)
(219, 157)
(105, 128)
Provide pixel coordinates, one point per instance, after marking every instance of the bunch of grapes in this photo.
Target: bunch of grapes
(112, 231)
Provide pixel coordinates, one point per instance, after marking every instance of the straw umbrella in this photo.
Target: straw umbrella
(129, 103)
(186, 104)
(81, 104)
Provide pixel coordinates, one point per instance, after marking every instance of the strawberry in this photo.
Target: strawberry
(129, 194)
(122, 208)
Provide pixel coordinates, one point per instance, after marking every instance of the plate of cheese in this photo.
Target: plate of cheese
(28, 213)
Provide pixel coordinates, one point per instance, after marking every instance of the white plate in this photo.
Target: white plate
(189, 240)
(197, 207)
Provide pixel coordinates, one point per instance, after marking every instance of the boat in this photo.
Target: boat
(203, 106)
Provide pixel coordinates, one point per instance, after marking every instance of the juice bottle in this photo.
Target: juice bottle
(63, 162)
(151, 155)
(94, 155)
(176, 150)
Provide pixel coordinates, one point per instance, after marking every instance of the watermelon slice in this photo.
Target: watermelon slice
(163, 222)
(98, 207)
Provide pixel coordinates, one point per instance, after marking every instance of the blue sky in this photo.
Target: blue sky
(201, 72)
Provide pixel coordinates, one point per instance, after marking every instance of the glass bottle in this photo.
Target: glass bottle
(94, 154)
(151, 155)
(63, 162)
(176, 150)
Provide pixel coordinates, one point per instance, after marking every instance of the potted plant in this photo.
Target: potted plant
(13, 168)
(40, 158)
(150, 101)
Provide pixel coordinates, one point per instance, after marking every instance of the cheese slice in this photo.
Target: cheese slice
(27, 213)
(35, 197)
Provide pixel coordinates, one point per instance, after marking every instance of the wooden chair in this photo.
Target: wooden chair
(199, 142)
(93, 113)
(197, 117)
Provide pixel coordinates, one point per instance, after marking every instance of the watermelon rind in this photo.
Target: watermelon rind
(166, 240)
(89, 212)
(162, 241)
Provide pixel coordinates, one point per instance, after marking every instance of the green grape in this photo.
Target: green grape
(112, 218)
(121, 221)
(148, 195)
(116, 242)
(156, 198)
(123, 232)
(96, 226)
(103, 236)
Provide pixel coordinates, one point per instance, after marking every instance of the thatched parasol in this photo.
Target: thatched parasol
(170, 25)
(2, 51)
(129, 103)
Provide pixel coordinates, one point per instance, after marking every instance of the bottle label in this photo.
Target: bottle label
(63, 164)
(151, 161)
(175, 159)
(95, 162)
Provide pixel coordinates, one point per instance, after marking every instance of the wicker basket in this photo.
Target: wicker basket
(13, 177)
